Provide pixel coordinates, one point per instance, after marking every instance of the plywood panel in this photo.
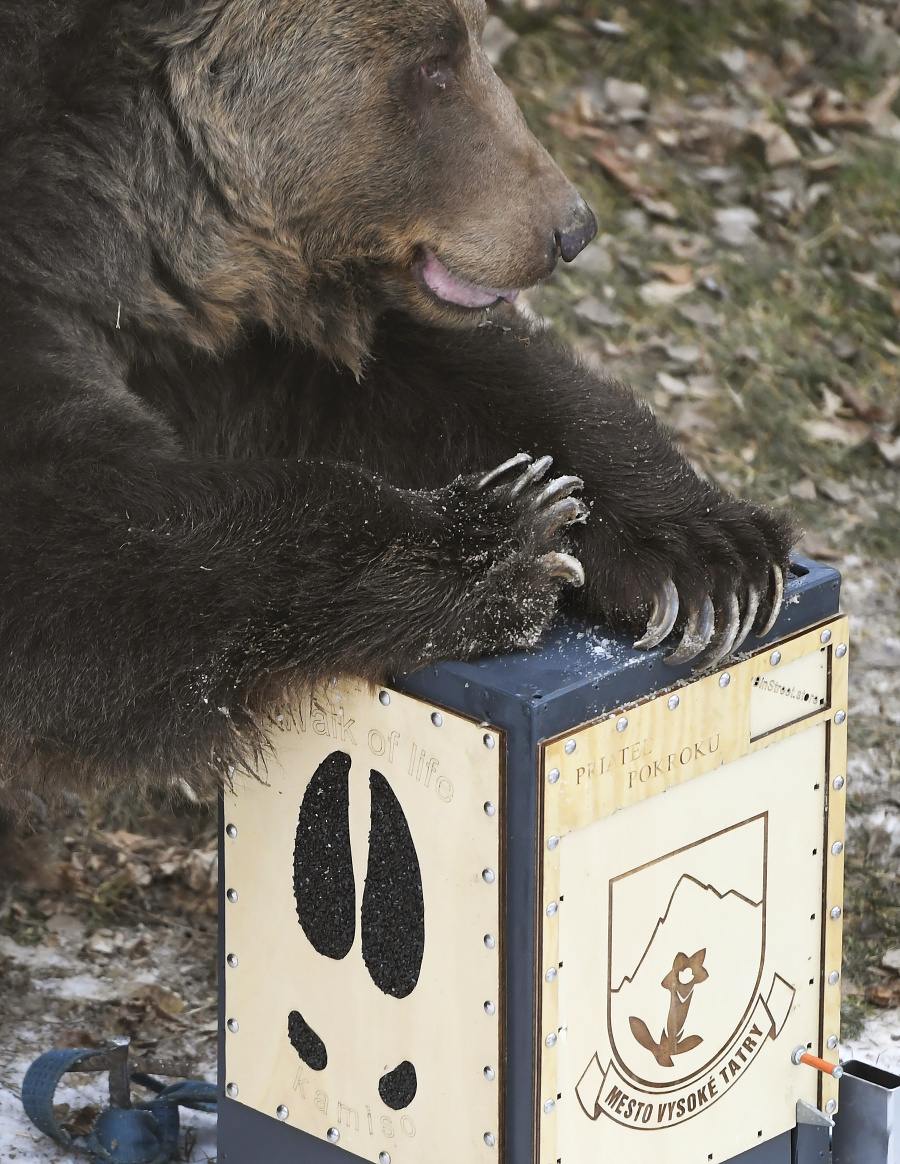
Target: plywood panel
(442, 774)
(693, 937)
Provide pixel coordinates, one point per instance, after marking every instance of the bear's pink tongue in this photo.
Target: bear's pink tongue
(452, 289)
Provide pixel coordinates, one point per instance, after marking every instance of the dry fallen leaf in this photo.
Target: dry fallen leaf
(617, 169)
(679, 273)
(658, 291)
(849, 433)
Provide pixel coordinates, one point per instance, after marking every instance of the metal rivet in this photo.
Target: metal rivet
(489, 941)
(552, 842)
(673, 702)
(230, 831)
(233, 1026)
(489, 740)
(385, 698)
(232, 895)
(830, 1107)
(840, 650)
(333, 1135)
(489, 876)
(832, 1042)
(232, 960)
(837, 848)
(282, 1112)
(384, 1158)
(550, 1040)
(834, 978)
(724, 680)
(231, 1090)
(551, 974)
(490, 1139)
(489, 808)
(549, 1106)
(489, 1074)
(840, 716)
(489, 1008)
(775, 658)
(552, 909)
(570, 747)
(436, 718)
(622, 723)
(553, 775)
(835, 913)
(825, 636)
(838, 783)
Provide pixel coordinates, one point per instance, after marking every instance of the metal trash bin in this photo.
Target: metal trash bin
(867, 1129)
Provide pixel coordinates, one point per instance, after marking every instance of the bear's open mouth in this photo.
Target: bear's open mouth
(452, 289)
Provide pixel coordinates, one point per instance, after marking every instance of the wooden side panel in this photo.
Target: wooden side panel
(692, 846)
(439, 771)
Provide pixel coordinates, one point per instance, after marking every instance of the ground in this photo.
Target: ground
(743, 158)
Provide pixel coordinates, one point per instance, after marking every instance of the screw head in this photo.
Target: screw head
(724, 679)
(673, 702)
(551, 974)
(232, 960)
(834, 977)
(835, 913)
(553, 775)
(838, 783)
(840, 650)
(232, 895)
(282, 1112)
(775, 658)
(550, 1040)
(552, 909)
(549, 1106)
(233, 1025)
(832, 1042)
(831, 1106)
(488, 876)
(231, 831)
(552, 843)
(489, 941)
(488, 739)
(436, 718)
(231, 1090)
(825, 636)
(489, 808)
(837, 848)
(333, 1135)
(489, 1008)
(384, 1158)
(840, 716)
(622, 723)
(490, 1139)
(571, 745)
(384, 697)
(489, 1074)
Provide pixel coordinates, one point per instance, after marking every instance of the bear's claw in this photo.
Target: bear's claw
(495, 474)
(766, 621)
(532, 474)
(723, 643)
(662, 617)
(753, 600)
(697, 634)
(557, 486)
(564, 566)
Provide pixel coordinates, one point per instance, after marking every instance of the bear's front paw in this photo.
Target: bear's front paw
(725, 578)
(514, 550)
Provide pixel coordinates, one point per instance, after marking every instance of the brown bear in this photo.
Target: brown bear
(269, 411)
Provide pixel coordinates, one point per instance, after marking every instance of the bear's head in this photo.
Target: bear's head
(373, 147)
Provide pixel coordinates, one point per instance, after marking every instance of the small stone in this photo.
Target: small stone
(891, 960)
(672, 384)
(594, 310)
(804, 490)
(700, 314)
(735, 225)
(735, 61)
(626, 95)
(496, 39)
(836, 491)
(660, 291)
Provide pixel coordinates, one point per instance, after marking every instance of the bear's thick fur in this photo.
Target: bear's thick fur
(257, 357)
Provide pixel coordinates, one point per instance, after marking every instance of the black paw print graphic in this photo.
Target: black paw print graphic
(392, 917)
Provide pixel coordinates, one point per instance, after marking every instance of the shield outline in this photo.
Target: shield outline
(674, 1084)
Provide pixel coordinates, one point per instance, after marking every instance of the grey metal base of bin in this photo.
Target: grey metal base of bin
(531, 698)
(867, 1127)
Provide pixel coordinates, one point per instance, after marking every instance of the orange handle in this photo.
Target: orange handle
(833, 1069)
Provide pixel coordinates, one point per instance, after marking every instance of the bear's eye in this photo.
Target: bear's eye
(436, 72)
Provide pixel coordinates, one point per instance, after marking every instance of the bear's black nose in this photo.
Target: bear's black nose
(579, 229)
